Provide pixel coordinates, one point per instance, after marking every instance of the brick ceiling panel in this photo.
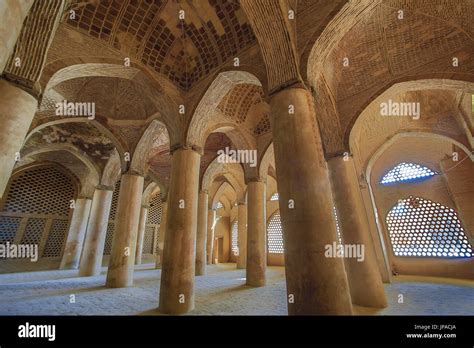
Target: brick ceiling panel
(151, 32)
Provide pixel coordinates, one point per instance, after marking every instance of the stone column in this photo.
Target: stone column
(161, 235)
(76, 234)
(122, 256)
(177, 275)
(242, 235)
(365, 281)
(12, 15)
(17, 109)
(141, 234)
(201, 236)
(211, 217)
(256, 234)
(316, 284)
(91, 260)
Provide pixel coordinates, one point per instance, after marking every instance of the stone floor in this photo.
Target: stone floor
(221, 292)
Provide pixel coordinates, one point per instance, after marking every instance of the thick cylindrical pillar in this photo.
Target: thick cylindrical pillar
(242, 235)
(365, 281)
(141, 235)
(122, 256)
(256, 234)
(76, 234)
(17, 109)
(316, 285)
(12, 15)
(161, 235)
(91, 260)
(211, 217)
(177, 274)
(201, 234)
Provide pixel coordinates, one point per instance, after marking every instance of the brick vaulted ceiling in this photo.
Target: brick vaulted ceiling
(151, 31)
(383, 49)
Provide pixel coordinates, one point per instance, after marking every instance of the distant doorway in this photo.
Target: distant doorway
(220, 249)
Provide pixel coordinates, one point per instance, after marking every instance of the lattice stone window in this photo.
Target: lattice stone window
(275, 235)
(56, 239)
(112, 216)
(8, 228)
(34, 231)
(155, 211)
(36, 196)
(235, 238)
(338, 229)
(157, 239)
(406, 172)
(43, 190)
(113, 206)
(420, 227)
(275, 197)
(219, 205)
(109, 237)
(148, 240)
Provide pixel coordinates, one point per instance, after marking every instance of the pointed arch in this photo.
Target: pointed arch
(155, 137)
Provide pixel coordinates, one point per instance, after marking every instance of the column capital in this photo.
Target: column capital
(297, 83)
(104, 187)
(195, 148)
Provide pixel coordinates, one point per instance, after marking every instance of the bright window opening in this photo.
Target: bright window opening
(219, 205)
(338, 230)
(420, 227)
(275, 235)
(406, 172)
(235, 239)
(274, 197)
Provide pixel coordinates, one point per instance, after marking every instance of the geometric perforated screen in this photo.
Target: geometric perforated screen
(148, 240)
(406, 172)
(275, 197)
(43, 190)
(235, 239)
(8, 227)
(338, 230)
(420, 227)
(38, 199)
(108, 238)
(115, 197)
(34, 231)
(112, 216)
(56, 238)
(155, 210)
(275, 235)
